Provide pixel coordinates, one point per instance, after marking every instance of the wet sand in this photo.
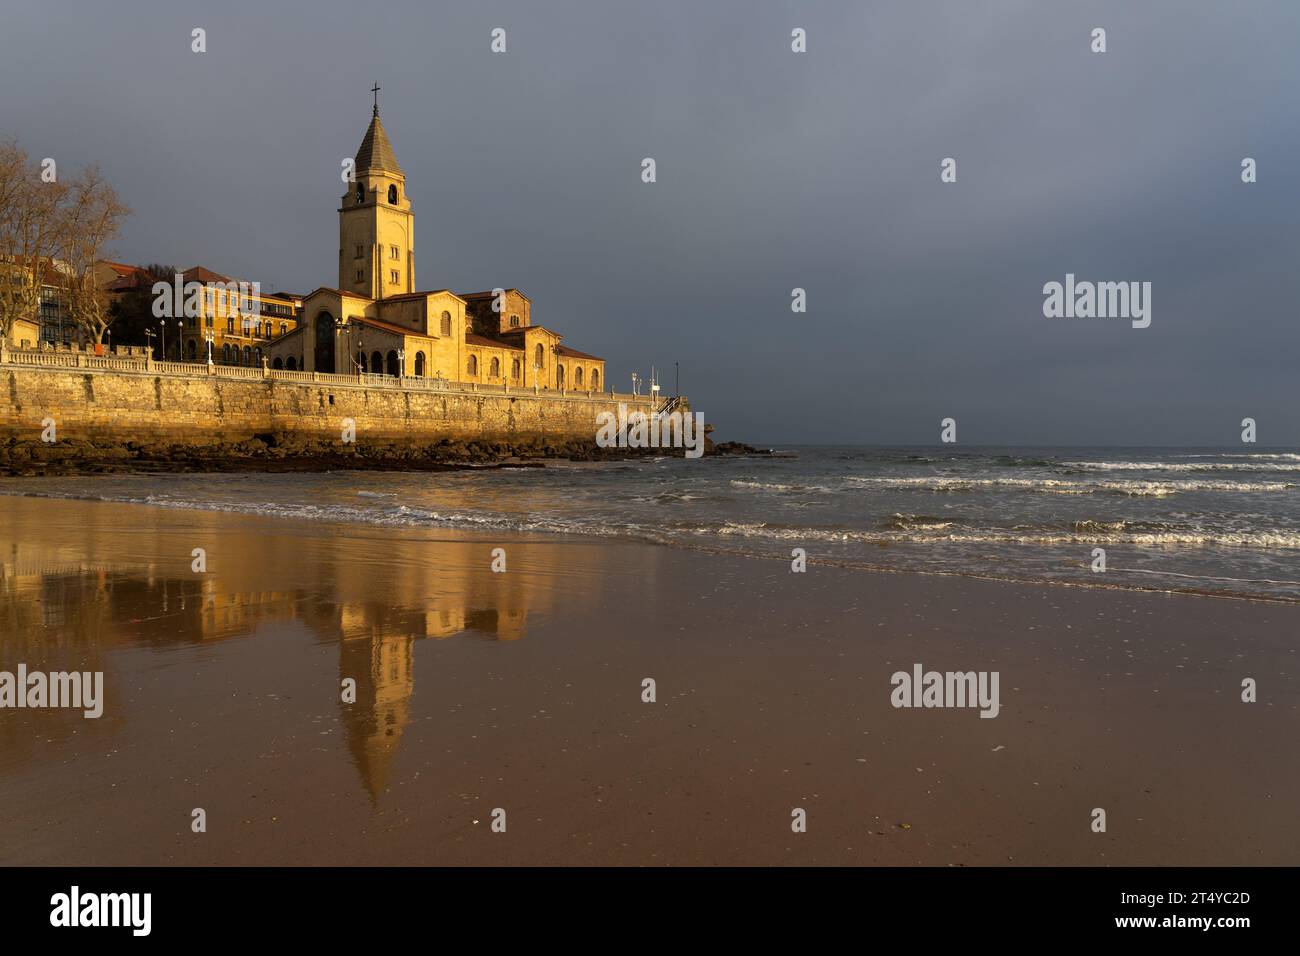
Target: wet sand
(522, 690)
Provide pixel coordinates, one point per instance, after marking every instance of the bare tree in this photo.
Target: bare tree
(92, 218)
(30, 212)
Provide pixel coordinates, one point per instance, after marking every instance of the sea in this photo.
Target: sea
(1195, 519)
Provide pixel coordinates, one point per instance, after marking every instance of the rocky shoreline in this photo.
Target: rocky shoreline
(288, 453)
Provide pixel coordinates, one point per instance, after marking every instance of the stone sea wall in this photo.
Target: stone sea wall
(176, 404)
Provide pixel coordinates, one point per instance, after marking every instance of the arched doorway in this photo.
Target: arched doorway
(376, 363)
(290, 364)
(278, 363)
(419, 365)
(192, 349)
(392, 364)
(324, 351)
(559, 376)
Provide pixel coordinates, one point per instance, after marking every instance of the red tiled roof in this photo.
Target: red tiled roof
(201, 274)
(385, 326)
(334, 291)
(484, 295)
(521, 329)
(574, 353)
(124, 270)
(416, 295)
(482, 340)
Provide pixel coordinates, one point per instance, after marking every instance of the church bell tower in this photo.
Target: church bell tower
(376, 225)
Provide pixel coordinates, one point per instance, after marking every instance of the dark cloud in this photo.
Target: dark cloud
(776, 170)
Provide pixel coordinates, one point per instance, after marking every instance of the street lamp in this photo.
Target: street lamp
(207, 337)
(401, 363)
(340, 326)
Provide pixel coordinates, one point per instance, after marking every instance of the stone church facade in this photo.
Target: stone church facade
(375, 322)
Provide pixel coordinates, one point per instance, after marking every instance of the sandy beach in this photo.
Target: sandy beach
(522, 691)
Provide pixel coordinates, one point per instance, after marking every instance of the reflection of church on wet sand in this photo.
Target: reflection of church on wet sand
(376, 649)
(97, 611)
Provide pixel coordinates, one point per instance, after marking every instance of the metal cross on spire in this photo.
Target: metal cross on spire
(375, 90)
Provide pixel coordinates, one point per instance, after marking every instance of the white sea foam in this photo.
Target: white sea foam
(1099, 533)
(1061, 486)
(1182, 466)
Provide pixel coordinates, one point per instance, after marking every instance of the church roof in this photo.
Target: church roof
(385, 326)
(490, 294)
(472, 338)
(574, 353)
(376, 151)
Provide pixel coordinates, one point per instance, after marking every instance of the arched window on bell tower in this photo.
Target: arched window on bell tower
(392, 195)
(361, 194)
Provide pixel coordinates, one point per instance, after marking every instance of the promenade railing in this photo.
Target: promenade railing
(144, 364)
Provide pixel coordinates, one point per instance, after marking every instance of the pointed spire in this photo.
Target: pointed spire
(376, 151)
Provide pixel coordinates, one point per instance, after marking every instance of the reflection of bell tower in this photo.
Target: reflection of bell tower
(382, 665)
(376, 225)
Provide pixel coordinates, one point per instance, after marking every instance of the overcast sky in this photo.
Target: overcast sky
(776, 170)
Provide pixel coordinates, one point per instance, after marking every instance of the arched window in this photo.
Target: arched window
(283, 328)
(323, 353)
(392, 195)
(361, 194)
(577, 377)
(595, 379)
(495, 368)
(514, 321)
(419, 364)
(290, 364)
(248, 355)
(514, 370)
(376, 363)
(258, 355)
(393, 370)
(472, 365)
(446, 323)
(541, 354)
(278, 363)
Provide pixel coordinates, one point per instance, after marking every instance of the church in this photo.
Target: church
(374, 322)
